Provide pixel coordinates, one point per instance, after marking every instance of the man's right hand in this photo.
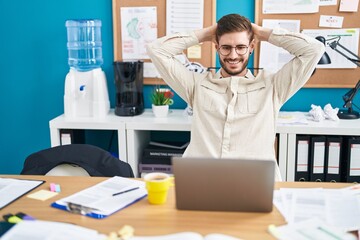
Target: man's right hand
(207, 34)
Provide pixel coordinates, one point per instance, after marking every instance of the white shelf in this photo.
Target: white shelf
(110, 122)
(134, 133)
(177, 120)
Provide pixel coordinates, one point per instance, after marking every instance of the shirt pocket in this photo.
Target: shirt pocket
(251, 97)
(212, 96)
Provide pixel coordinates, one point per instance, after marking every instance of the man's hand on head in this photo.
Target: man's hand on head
(207, 34)
(260, 33)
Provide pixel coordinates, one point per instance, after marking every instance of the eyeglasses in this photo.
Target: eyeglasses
(225, 50)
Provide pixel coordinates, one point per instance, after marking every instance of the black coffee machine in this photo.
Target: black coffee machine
(129, 88)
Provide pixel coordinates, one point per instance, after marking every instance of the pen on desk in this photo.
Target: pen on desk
(129, 190)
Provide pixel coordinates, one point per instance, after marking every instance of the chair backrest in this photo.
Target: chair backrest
(66, 169)
(96, 161)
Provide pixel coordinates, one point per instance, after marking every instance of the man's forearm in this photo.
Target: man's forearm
(206, 34)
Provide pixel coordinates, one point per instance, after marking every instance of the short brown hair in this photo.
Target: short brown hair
(233, 23)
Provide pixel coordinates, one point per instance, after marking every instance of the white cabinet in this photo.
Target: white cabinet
(339, 128)
(134, 134)
(109, 122)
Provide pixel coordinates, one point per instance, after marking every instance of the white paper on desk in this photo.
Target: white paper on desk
(187, 236)
(301, 203)
(354, 189)
(336, 207)
(311, 229)
(272, 57)
(343, 210)
(50, 231)
(279, 204)
(184, 15)
(11, 189)
(307, 205)
(100, 196)
(290, 6)
(138, 28)
(349, 39)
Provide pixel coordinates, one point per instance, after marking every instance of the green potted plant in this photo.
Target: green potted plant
(161, 98)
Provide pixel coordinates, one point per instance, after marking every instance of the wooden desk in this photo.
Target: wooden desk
(151, 219)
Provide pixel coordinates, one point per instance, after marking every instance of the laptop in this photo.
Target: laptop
(224, 184)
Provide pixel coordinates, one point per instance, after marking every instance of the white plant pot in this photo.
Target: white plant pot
(160, 111)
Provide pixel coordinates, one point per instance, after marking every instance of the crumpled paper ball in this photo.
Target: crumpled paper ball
(317, 113)
(331, 113)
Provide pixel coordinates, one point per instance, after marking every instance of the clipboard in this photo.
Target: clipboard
(103, 199)
(16, 188)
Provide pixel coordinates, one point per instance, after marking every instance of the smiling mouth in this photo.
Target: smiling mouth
(233, 62)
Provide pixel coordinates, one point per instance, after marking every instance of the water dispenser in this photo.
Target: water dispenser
(86, 93)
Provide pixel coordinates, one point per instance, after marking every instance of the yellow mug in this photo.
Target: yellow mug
(157, 185)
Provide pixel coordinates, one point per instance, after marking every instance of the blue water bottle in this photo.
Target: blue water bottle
(86, 93)
(84, 44)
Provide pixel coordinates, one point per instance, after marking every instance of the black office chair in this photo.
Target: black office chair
(94, 160)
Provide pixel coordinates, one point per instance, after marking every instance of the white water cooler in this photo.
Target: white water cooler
(86, 94)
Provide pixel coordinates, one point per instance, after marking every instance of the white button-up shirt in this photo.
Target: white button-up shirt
(235, 117)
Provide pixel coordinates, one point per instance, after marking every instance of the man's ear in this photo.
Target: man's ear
(216, 46)
(252, 45)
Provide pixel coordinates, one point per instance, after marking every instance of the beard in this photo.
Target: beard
(230, 71)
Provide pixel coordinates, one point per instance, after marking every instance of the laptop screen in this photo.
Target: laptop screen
(224, 184)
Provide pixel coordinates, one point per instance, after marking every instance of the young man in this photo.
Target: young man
(234, 113)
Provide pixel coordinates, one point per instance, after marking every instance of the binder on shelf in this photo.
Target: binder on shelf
(333, 155)
(352, 160)
(160, 152)
(103, 199)
(148, 168)
(302, 158)
(173, 145)
(154, 154)
(317, 158)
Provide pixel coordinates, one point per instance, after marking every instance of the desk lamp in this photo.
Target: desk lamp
(86, 93)
(348, 98)
(335, 45)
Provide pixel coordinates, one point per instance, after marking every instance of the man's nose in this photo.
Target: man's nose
(233, 53)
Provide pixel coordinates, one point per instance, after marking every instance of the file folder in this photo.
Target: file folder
(332, 159)
(302, 158)
(317, 159)
(352, 160)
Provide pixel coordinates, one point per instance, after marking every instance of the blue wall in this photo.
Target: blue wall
(33, 65)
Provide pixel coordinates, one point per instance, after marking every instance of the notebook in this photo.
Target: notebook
(224, 184)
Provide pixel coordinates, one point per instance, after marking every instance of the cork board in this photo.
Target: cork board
(207, 49)
(323, 78)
